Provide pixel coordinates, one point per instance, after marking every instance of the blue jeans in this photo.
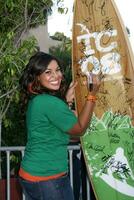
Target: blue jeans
(56, 189)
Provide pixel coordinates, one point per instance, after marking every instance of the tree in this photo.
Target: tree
(59, 36)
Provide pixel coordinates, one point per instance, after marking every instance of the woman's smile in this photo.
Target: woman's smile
(54, 82)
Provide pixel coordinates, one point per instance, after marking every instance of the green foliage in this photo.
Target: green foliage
(13, 131)
(12, 63)
(63, 10)
(60, 37)
(15, 14)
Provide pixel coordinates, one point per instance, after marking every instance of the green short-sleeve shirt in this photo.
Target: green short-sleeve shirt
(48, 120)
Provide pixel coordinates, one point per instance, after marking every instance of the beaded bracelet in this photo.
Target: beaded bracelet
(91, 98)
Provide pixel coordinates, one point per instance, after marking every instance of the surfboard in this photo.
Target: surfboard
(100, 44)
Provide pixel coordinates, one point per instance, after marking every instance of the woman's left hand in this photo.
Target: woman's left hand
(70, 93)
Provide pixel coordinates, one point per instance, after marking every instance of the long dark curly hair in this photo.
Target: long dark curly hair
(29, 83)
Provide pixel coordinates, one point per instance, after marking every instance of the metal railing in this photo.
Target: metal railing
(9, 150)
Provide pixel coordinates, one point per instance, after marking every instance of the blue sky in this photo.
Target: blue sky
(63, 23)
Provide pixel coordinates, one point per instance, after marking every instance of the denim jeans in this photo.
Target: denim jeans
(56, 189)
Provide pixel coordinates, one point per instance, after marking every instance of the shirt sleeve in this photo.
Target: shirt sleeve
(58, 113)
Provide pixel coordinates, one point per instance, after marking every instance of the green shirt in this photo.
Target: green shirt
(48, 120)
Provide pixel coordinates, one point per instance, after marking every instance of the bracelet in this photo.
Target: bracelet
(91, 98)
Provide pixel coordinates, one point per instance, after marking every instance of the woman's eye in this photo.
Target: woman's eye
(47, 72)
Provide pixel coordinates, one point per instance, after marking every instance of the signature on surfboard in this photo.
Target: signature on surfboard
(113, 164)
(118, 164)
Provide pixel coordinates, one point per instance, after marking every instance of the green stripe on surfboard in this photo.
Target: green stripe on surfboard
(111, 166)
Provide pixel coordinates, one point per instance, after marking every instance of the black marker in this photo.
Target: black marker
(90, 81)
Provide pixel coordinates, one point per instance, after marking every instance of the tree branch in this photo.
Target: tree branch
(9, 92)
(5, 110)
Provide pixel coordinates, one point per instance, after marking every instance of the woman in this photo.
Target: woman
(50, 123)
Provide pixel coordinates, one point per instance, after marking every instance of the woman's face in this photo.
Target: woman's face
(51, 77)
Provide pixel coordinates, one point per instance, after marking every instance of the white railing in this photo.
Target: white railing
(9, 150)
